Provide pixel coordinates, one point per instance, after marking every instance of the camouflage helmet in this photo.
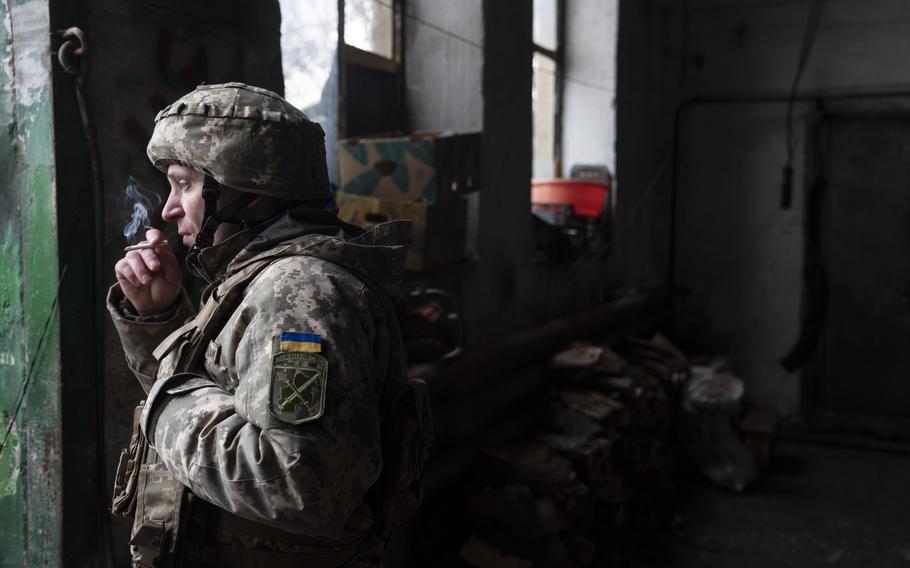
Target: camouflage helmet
(246, 138)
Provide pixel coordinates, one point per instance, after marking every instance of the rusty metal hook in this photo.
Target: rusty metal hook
(72, 50)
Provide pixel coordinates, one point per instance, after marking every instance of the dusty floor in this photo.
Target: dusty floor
(817, 506)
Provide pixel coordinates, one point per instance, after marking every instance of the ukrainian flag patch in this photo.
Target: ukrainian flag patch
(303, 342)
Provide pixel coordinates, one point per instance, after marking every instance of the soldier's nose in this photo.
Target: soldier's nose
(171, 210)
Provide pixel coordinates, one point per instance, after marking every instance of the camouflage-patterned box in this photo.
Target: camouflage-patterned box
(421, 167)
(438, 231)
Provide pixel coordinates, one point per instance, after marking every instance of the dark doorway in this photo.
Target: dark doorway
(860, 376)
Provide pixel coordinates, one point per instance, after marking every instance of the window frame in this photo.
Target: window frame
(370, 59)
(558, 58)
(350, 55)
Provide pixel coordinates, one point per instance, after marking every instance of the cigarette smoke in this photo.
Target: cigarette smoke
(142, 204)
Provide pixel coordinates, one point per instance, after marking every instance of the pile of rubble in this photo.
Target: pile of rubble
(597, 471)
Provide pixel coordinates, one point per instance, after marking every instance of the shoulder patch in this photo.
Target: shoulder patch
(297, 386)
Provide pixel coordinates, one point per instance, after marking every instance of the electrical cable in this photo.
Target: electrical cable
(577, 81)
(23, 389)
(726, 6)
(472, 43)
(582, 82)
(814, 273)
(72, 56)
(431, 25)
(816, 8)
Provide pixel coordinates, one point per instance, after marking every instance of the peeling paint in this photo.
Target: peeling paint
(7, 60)
(12, 503)
(9, 272)
(31, 51)
(9, 463)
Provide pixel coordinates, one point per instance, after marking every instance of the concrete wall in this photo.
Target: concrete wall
(444, 65)
(739, 253)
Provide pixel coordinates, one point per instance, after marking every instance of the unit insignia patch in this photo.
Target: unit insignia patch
(298, 384)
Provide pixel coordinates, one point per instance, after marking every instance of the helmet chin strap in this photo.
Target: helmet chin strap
(212, 217)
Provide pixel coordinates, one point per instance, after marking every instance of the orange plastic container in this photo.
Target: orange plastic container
(586, 198)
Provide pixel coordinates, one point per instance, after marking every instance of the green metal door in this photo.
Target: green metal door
(30, 463)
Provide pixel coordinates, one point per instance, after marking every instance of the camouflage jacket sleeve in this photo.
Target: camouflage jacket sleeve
(235, 445)
(139, 335)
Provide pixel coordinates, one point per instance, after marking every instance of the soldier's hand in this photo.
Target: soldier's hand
(150, 278)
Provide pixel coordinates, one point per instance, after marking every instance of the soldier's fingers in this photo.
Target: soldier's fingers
(143, 275)
(154, 236)
(125, 274)
(120, 271)
(150, 258)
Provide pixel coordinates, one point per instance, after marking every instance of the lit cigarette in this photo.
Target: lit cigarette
(143, 246)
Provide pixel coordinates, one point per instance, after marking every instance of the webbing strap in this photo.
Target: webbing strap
(171, 340)
(212, 219)
(199, 330)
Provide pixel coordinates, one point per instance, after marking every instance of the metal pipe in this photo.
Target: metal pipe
(531, 346)
(772, 98)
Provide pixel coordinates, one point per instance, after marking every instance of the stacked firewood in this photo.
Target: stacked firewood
(595, 475)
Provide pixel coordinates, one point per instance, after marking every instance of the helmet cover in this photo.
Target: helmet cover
(246, 138)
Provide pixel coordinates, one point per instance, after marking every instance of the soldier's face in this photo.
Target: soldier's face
(185, 205)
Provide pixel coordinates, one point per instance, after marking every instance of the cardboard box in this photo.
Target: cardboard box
(438, 230)
(425, 167)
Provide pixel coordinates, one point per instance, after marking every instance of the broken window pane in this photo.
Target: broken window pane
(545, 23)
(309, 40)
(543, 108)
(309, 34)
(368, 25)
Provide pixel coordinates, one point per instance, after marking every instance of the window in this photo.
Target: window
(371, 81)
(309, 37)
(369, 73)
(369, 25)
(309, 43)
(546, 88)
(573, 117)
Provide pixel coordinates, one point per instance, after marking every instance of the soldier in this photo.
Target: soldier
(271, 434)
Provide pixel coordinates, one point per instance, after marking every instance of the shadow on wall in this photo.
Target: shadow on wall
(739, 255)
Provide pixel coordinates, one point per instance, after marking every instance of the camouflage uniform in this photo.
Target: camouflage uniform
(284, 441)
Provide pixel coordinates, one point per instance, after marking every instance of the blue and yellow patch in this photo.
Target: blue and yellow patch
(301, 342)
(299, 377)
